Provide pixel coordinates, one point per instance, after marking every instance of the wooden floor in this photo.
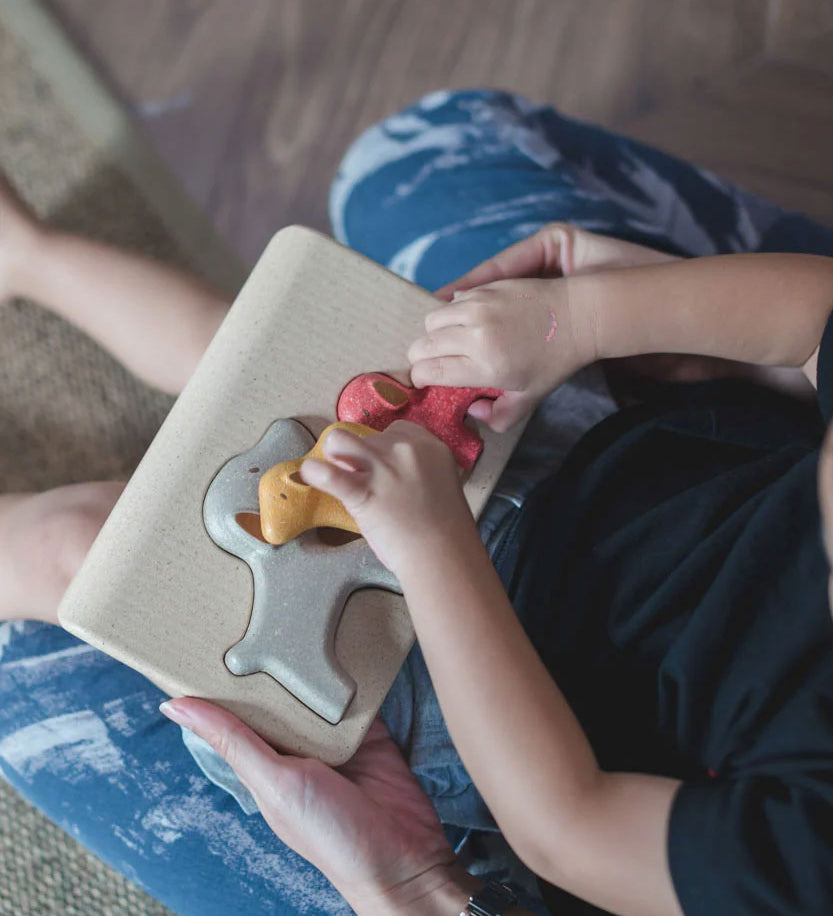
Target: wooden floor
(252, 103)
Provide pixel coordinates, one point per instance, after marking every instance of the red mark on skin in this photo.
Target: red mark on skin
(553, 326)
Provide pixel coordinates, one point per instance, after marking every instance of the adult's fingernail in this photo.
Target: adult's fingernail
(175, 714)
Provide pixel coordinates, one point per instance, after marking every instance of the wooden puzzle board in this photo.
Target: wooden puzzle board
(156, 593)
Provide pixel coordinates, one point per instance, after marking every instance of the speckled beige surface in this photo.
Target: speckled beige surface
(157, 593)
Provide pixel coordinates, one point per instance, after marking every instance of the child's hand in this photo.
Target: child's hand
(401, 487)
(508, 349)
(518, 335)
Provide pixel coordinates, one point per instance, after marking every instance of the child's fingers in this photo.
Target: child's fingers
(453, 341)
(453, 291)
(341, 444)
(409, 431)
(458, 313)
(346, 485)
(482, 410)
(503, 413)
(509, 409)
(454, 371)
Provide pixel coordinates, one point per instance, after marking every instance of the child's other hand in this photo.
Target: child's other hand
(401, 486)
(499, 348)
(518, 335)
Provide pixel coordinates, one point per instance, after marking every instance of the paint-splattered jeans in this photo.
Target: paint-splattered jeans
(429, 192)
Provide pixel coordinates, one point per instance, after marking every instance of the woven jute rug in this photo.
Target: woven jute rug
(68, 412)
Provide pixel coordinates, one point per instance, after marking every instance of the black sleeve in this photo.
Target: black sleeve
(755, 845)
(824, 381)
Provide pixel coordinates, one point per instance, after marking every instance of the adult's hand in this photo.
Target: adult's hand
(556, 250)
(368, 825)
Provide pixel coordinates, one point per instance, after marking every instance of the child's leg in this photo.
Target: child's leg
(153, 318)
(43, 539)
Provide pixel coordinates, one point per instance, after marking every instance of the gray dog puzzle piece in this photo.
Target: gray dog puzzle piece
(300, 588)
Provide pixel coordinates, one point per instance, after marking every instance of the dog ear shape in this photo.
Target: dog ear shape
(233, 491)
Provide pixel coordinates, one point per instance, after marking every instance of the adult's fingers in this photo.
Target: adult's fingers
(264, 771)
(531, 257)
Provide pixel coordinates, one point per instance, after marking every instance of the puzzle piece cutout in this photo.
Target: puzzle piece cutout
(289, 507)
(300, 589)
(376, 400)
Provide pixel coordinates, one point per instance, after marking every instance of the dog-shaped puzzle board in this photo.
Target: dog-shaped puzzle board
(159, 594)
(300, 589)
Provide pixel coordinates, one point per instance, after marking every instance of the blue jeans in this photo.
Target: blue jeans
(429, 192)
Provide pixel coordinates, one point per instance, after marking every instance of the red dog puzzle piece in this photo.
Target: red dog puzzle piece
(376, 400)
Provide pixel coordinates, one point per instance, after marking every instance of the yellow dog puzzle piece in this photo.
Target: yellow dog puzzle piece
(289, 507)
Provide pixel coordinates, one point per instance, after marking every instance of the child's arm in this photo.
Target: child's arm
(528, 336)
(767, 309)
(600, 835)
(155, 319)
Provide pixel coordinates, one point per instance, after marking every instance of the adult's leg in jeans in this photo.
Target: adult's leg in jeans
(81, 738)
(456, 177)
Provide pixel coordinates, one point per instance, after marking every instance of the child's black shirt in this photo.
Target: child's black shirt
(674, 581)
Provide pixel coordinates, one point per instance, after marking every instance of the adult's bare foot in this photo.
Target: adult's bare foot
(44, 538)
(19, 230)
